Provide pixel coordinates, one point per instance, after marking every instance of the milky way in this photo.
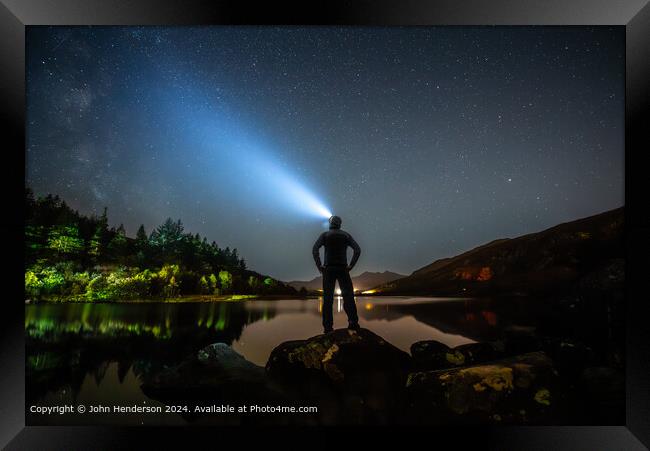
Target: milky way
(428, 141)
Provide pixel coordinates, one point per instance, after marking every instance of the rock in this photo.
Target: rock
(430, 354)
(520, 340)
(520, 389)
(570, 357)
(221, 357)
(433, 355)
(340, 356)
(354, 376)
(480, 352)
(215, 372)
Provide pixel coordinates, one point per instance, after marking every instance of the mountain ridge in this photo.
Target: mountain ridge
(533, 263)
(362, 282)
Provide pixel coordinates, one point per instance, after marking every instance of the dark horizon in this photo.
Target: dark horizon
(428, 141)
(356, 272)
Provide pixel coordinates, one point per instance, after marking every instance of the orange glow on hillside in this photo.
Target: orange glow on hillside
(485, 274)
(481, 274)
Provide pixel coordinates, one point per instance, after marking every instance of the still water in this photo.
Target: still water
(99, 353)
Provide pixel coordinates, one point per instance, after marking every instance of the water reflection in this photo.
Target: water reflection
(86, 352)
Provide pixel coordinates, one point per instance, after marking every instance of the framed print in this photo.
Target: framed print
(419, 215)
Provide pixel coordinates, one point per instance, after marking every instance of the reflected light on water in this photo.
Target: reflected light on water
(100, 351)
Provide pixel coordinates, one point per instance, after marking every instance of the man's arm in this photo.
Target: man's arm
(357, 252)
(315, 251)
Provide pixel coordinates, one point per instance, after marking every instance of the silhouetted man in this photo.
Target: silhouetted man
(336, 267)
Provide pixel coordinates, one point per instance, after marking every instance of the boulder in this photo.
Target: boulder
(341, 356)
(480, 352)
(430, 354)
(433, 355)
(520, 340)
(570, 357)
(221, 358)
(214, 372)
(518, 390)
(354, 376)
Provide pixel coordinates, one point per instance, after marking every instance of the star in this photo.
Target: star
(195, 123)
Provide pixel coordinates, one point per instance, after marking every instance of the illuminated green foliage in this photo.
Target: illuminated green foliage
(78, 282)
(253, 282)
(51, 279)
(65, 240)
(214, 287)
(168, 276)
(204, 287)
(225, 278)
(97, 288)
(74, 257)
(32, 284)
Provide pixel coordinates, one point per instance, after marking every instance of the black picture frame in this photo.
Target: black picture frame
(634, 15)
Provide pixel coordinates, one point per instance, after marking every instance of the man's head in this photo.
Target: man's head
(335, 222)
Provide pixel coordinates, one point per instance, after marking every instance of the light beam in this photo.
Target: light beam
(245, 159)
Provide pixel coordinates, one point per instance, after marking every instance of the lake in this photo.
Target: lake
(85, 353)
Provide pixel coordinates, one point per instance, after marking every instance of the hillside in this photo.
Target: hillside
(534, 264)
(361, 282)
(71, 256)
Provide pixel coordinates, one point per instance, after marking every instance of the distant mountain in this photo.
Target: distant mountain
(361, 282)
(537, 263)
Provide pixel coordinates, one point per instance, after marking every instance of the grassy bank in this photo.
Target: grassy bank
(173, 300)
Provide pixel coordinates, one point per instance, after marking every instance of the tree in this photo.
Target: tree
(118, 246)
(141, 236)
(65, 240)
(99, 240)
(253, 283)
(35, 241)
(204, 287)
(225, 278)
(269, 285)
(168, 233)
(102, 226)
(166, 238)
(64, 250)
(168, 274)
(213, 284)
(189, 251)
(141, 247)
(95, 245)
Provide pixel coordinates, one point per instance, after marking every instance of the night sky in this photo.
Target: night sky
(427, 141)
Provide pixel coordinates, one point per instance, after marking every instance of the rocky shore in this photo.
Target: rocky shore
(356, 377)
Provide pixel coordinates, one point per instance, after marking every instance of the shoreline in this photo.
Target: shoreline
(180, 300)
(196, 299)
